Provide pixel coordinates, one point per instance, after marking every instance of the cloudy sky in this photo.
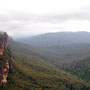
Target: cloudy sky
(31, 17)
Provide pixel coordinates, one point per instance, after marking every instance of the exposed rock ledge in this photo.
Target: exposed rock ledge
(3, 48)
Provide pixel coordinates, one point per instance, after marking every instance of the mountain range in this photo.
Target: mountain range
(57, 39)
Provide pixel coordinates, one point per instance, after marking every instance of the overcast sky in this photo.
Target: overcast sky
(31, 17)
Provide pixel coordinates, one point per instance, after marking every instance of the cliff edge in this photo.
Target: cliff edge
(5, 57)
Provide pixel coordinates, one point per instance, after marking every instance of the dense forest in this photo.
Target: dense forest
(69, 51)
(32, 68)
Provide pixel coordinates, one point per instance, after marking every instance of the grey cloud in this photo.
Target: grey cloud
(52, 18)
(82, 14)
(16, 21)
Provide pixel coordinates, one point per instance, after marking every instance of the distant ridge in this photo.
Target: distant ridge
(58, 38)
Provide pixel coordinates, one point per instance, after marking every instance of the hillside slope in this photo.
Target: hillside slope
(34, 72)
(80, 68)
(61, 57)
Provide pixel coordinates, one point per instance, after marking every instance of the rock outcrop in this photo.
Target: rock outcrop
(4, 58)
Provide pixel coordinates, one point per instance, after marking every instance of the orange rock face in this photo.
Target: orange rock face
(4, 80)
(5, 73)
(1, 52)
(5, 69)
(7, 64)
(3, 47)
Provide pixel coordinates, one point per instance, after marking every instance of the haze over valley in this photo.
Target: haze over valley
(44, 45)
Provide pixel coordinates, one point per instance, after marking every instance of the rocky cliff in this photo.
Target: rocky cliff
(5, 57)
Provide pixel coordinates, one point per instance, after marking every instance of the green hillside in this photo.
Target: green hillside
(30, 71)
(72, 56)
(80, 68)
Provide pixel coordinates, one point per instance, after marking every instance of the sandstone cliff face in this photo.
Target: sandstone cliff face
(4, 60)
(3, 42)
(1, 53)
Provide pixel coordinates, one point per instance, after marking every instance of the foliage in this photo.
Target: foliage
(80, 68)
(30, 71)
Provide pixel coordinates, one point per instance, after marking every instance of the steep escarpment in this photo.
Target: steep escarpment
(5, 58)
